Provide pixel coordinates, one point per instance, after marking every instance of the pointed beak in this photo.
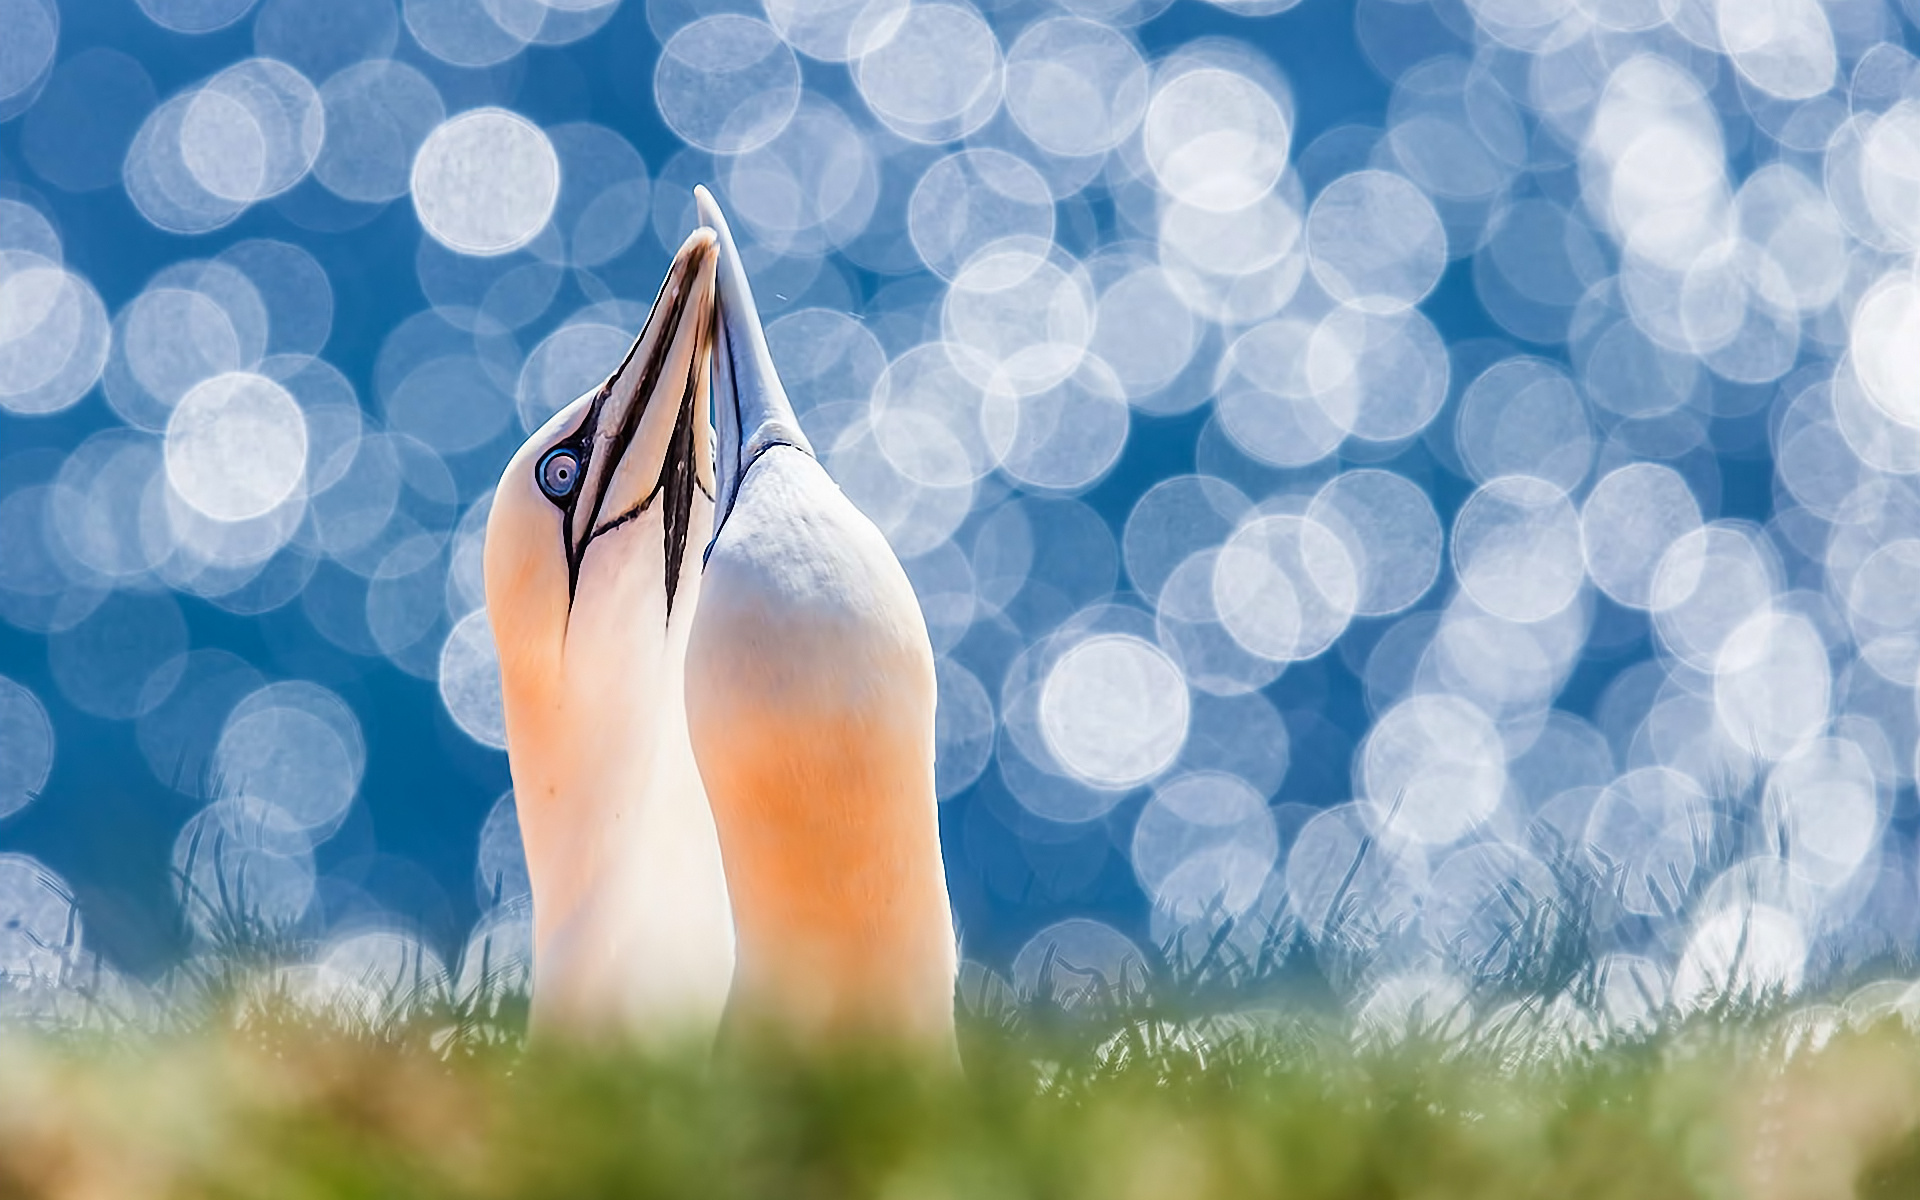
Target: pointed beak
(751, 413)
(645, 438)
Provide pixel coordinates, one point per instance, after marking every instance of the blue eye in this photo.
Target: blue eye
(559, 473)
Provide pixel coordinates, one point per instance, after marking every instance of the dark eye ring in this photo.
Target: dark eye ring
(559, 473)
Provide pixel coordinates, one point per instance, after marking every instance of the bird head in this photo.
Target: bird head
(592, 550)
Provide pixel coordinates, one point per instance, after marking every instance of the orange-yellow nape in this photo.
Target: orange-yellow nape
(592, 576)
(810, 706)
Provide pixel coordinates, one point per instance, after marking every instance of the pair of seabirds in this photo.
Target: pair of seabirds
(719, 700)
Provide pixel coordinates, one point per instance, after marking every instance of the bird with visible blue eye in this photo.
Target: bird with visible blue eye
(592, 571)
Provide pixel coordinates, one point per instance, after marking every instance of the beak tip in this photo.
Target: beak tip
(708, 207)
(729, 281)
(706, 250)
(701, 245)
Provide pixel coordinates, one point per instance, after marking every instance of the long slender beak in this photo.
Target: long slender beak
(643, 440)
(751, 412)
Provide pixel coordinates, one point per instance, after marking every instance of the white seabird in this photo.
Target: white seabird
(592, 575)
(810, 704)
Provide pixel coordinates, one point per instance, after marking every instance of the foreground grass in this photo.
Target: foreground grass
(1768, 1107)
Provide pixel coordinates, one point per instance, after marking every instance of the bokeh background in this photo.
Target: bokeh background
(1395, 473)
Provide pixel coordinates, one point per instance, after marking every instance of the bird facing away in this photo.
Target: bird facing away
(810, 705)
(592, 576)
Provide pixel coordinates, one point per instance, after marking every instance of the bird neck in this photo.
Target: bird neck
(631, 923)
(838, 886)
(810, 705)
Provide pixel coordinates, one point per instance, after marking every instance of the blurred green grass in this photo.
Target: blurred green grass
(1237, 1065)
(271, 1100)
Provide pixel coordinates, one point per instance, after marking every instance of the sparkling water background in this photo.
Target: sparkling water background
(1378, 469)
